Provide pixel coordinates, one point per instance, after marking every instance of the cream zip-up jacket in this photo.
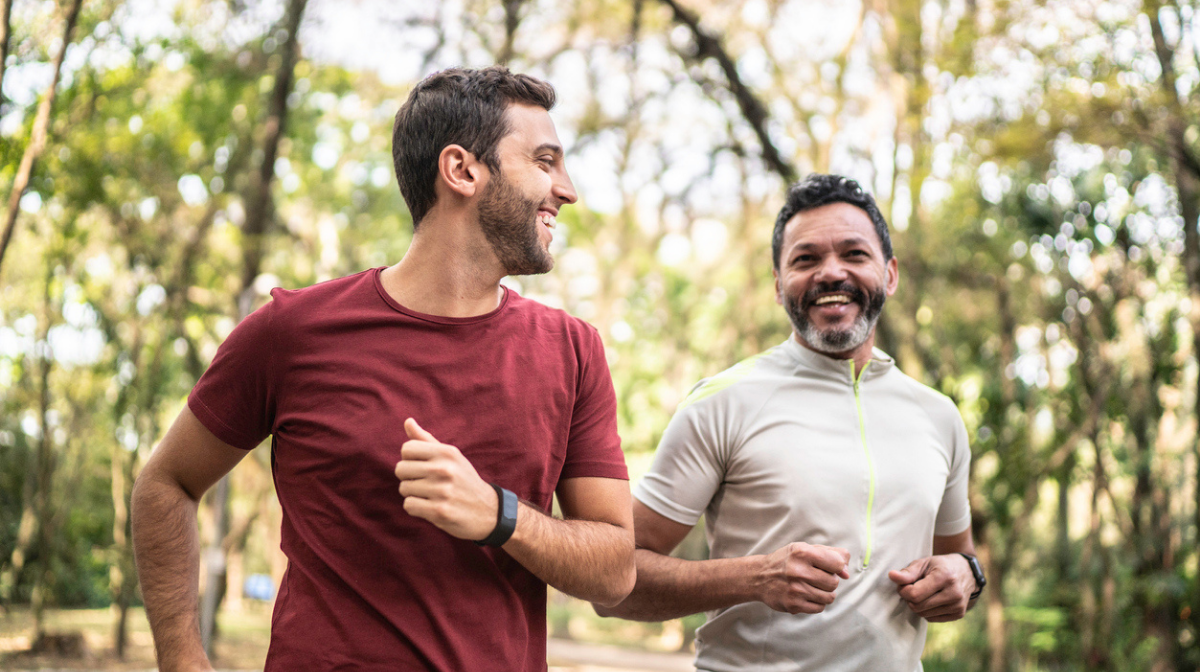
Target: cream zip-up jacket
(790, 445)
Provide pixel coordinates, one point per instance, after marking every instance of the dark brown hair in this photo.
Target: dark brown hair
(461, 107)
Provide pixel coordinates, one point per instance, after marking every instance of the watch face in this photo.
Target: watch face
(977, 571)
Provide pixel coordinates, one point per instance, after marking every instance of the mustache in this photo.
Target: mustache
(815, 292)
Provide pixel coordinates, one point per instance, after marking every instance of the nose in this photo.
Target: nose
(831, 270)
(563, 190)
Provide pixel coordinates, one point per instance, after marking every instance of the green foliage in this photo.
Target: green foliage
(1042, 263)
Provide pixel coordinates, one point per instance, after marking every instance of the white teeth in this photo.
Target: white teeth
(832, 298)
(547, 220)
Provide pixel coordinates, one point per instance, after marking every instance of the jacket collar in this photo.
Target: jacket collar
(812, 362)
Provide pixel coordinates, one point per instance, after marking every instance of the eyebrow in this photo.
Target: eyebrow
(853, 240)
(549, 147)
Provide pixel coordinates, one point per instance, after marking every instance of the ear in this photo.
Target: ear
(778, 288)
(461, 172)
(893, 276)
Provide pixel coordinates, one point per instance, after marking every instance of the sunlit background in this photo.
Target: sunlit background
(1039, 163)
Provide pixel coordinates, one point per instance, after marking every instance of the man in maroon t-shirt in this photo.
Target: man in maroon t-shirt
(428, 378)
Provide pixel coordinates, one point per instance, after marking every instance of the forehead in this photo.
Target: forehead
(529, 127)
(833, 224)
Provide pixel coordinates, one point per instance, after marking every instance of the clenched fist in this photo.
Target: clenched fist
(803, 578)
(441, 486)
(937, 588)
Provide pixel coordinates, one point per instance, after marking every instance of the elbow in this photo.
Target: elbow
(615, 608)
(137, 495)
(608, 605)
(607, 611)
(617, 590)
(144, 492)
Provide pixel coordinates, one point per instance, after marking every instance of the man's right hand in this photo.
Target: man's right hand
(802, 578)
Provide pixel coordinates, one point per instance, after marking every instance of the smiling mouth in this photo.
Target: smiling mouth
(837, 299)
(546, 219)
(834, 296)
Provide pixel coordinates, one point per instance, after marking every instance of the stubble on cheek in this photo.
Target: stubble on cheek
(509, 222)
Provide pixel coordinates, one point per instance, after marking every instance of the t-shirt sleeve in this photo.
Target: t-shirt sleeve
(689, 465)
(594, 447)
(954, 515)
(234, 398)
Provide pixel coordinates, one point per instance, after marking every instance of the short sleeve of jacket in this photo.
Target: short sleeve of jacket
(234, 398)
(954, 514)
(594, 446)
(689, 465)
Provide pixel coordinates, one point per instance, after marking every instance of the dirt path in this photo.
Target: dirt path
(567, 655)
(242, 647)
(563, 656)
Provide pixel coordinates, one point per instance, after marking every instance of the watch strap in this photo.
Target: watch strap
(506, 518)
(977, 571)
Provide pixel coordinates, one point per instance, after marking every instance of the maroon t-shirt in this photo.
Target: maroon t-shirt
(331, 372)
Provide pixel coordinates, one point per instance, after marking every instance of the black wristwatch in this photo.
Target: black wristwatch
(506, 518)
(980, 579)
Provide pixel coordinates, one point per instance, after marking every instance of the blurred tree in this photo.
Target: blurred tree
(1036, 161)
(258, 224)
(37, 137)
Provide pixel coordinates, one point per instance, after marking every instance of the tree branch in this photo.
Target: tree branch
(5, 39)
(259, 204)
(755, 113)
(41, 127)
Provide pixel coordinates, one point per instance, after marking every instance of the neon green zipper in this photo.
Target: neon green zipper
(862, 431)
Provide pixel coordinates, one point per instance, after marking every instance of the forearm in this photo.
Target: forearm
(166, 549)
(586, 559)
(669, 587)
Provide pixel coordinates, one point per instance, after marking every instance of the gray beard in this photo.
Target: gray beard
(836, 341)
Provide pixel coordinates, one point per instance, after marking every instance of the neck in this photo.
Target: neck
(861, 355)
(449, 270)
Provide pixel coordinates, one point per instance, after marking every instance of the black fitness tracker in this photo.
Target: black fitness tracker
(506, 518)
(980, 580)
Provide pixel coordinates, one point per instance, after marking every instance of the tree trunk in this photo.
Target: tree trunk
(116, 568)
(997, 635)
(259, 216)
(1186, 169)
(1063, 540)
(44, 466)
(235, 575)
(41, 128)
(121, 572)
(512, 19)
(5, 40)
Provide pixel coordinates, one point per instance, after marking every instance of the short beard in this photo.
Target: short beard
(836, 341)
(509, 222)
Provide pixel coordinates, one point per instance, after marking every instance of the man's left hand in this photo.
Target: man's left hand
(441, 486)
(938, 588)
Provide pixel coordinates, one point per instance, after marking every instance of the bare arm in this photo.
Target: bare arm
(589, 555)
(798, 578)
(166, 544)
(938, 588)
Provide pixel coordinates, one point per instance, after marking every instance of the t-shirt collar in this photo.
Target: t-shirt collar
(439, 319)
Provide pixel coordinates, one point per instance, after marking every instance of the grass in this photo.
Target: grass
(241, 644)
(244, 636)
